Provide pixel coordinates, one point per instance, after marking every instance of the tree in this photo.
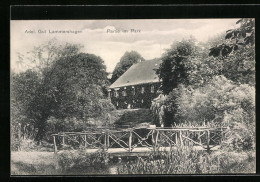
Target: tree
(23, 88)
(27, 88)
(204, 85)
(71, 88)
(179, 66)
(126, 61)
(75, 85)
(67, 85)
(176, 65)
(244, 35)
(42, 57)
(236, 55)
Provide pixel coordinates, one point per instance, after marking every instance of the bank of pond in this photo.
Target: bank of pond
(181, 161)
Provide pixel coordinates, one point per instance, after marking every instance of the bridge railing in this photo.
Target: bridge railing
(131, 138)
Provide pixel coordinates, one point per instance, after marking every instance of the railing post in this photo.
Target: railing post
(63, 140)
(19, 137)
(105, 140)
(54, 142)
(108, 140)
(176, 138)
(199, 137)
(85, 140)
(208, 140)
(156, 138)
(181, 142)
(222, 135)
(130, 140)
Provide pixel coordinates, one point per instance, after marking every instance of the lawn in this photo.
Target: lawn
(33, 163)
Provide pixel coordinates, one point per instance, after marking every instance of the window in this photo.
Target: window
(152, 89)
(109, 93)
(116, 93)
(124, 93)
(142, 90)
(133, 90)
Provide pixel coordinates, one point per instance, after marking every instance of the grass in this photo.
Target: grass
(33, 163)
(131, 116)
(63, 163)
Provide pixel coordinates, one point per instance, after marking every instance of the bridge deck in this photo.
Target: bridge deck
(140, 151)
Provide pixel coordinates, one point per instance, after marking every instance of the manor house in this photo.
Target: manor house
(137, 87)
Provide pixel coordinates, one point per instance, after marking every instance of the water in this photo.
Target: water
(113, 169)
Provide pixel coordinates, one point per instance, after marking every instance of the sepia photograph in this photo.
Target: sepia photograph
(132, 96)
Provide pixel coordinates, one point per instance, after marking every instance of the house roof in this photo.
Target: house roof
(139, 73)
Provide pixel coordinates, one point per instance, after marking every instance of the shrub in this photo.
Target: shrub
(68, 160)
(220, 100)
(180, 161)
(240, 138)
(184, 160)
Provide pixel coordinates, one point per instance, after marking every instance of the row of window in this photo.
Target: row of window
(116, 94)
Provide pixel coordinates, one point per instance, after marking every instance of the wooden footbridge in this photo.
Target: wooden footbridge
(138, 141)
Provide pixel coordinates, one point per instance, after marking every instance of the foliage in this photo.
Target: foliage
(158, 108)
(73, 89)
(81, 160)
(220, 101)
(42, 57)
(218, 88)
(184, 160)
(29, 100)
(23, 90)
(75, 84)
(235, 57)
(175, 65)
(239, 66)
(240, 137)
(215, 101)
(68, 85)
(131, 117)
(126, 61)
(242, 36)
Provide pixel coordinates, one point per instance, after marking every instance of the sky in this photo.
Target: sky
(110, 39)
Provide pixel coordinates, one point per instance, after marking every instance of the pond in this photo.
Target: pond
(110, 168)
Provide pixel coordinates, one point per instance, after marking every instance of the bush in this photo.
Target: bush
(220, 100)
(187, 161)
(68, 160)
(240, 138)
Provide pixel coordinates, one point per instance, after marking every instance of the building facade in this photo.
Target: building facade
(137, 87)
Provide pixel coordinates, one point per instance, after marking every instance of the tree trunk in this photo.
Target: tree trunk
(41, 130)
(39, 136)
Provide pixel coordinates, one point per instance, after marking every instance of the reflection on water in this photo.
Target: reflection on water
(106, 169)
(113, 169)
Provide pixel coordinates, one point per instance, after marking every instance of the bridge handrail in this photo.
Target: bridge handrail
(100, 131)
